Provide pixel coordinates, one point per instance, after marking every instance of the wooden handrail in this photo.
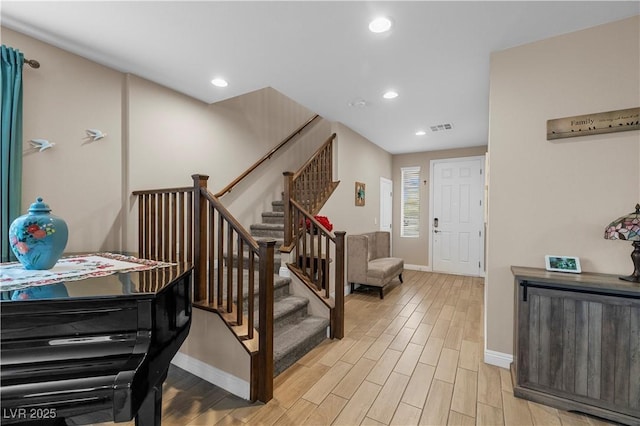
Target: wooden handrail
(163, 191)
(267, 156)
(313, 220)
(224, 233)
(242, 232)
(315, 154)
(190, 224)
(311, 260)
(311, 186)
(304, 194)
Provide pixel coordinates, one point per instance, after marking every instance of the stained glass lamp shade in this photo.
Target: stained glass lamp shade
(628, 228)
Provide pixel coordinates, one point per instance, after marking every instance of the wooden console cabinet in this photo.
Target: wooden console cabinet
(577, 343)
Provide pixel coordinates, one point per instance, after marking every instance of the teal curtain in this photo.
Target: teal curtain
(11, 148)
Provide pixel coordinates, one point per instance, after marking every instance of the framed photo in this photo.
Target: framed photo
(562, 264)
(360, 194)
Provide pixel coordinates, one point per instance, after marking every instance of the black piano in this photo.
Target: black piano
(93, 350)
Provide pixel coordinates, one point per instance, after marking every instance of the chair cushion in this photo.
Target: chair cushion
(382, 270)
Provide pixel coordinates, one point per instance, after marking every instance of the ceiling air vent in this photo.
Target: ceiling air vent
(441, 127)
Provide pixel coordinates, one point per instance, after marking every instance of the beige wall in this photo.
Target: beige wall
(80, 180)
(415, 251)
(556, 197)
(210, 342)
(156, 138)
(173, 136)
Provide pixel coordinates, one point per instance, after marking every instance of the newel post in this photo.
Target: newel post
(338, 311)
(265, 320)
(200, 237)
(288, 190)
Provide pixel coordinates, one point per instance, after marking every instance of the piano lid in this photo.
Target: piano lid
(115, 285)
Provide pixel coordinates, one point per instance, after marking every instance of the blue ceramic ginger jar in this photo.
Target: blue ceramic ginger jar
(38, 238)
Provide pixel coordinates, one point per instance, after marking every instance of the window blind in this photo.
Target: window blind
(410, 209)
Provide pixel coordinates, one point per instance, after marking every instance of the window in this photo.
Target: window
(410, 208)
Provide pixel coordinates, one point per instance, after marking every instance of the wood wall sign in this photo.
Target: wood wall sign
(621, 120)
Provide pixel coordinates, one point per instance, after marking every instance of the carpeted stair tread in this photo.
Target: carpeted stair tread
(285, 305)
(267, 230)
(295, 332)
(287, 310)
(293, 341)
(278, 281)
(270, 226)
(273, 217)
(277, 258)
(280, 284)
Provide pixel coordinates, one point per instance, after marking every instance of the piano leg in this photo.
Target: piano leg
(150, 413)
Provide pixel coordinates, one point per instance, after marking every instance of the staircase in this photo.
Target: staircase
(192, 225)
(295, 331)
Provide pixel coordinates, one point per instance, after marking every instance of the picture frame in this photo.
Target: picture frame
(562, 264)
(360, 194)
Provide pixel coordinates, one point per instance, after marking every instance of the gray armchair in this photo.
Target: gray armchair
(369, 261)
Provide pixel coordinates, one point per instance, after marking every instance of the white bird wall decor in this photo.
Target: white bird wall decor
(95, 134)
(41, 144)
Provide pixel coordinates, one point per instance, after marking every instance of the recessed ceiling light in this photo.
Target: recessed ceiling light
(219, 82)
(390, 95)
(421, 133)
(380, 25)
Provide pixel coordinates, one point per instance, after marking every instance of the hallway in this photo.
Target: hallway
(413, 358)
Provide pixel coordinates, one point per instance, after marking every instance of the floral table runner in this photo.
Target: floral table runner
(13, 276)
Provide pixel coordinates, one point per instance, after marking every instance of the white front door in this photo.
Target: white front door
(457, 215)
(386, 204)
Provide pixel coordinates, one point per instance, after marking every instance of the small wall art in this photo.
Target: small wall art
(621, 120)
(360, 194)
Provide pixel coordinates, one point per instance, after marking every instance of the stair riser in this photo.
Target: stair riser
(275, 220)
(278, 291)
(295, 332)
(257, 234)
(289, 359)
(290, 317)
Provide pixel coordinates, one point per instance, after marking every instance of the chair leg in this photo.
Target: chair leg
(381, 292)
(352, 287)
(400, 278)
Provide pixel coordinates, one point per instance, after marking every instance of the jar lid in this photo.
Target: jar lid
(39, 207)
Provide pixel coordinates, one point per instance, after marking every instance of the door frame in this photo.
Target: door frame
(432, 163)
(390, 183)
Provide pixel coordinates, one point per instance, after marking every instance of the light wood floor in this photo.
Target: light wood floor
(414, 358)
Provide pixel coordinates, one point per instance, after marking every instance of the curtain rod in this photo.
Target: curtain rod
(32, 63)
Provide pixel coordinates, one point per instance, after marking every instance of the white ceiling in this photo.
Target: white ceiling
(321, 54)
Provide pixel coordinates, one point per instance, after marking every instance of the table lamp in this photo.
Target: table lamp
(628, 228)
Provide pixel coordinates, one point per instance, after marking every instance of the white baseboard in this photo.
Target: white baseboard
(498, 359)
(423, 268)
(212, 375)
